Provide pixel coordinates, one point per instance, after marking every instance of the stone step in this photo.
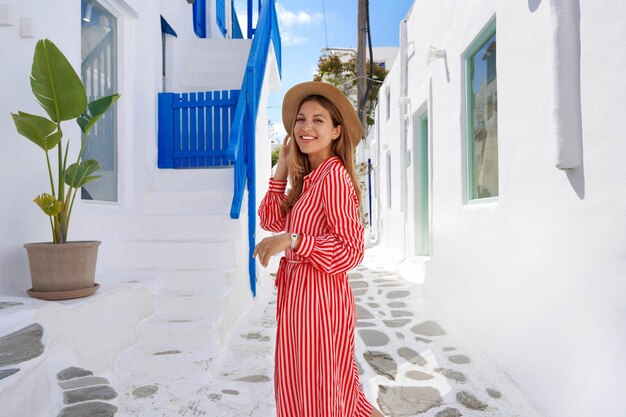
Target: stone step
(211, 81)
(166, 364)
(215, 44)
(183, 255)
(195, 334)
(189, 227)
(200, 179)
(215, 62)
(187, 202)
(203, 281)
(183, 306)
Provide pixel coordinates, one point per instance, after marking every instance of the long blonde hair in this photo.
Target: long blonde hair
(299, 165)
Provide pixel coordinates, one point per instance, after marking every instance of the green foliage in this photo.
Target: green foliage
(79, 174)
(55, 84)
(50, 205)
(275, 153)
(60, 92)
(342, 74)
(41, 131)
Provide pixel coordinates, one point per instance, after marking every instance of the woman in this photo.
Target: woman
(320, 232)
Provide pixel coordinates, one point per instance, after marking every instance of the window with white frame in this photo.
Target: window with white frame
(482, 116)
(99, 74)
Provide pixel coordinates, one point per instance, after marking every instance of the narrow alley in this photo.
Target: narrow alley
(412, 361)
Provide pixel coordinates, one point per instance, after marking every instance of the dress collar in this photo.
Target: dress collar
(318, 172)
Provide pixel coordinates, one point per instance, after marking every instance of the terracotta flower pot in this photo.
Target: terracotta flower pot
(62, 271)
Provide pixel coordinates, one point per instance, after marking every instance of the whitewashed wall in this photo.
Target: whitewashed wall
(393, 231)
(139, 81)
(537, 278)
(23, 172)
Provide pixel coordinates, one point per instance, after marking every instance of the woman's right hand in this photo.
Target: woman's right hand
(282, 170)
(283, 154)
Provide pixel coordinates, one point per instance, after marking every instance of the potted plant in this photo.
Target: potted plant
(61, 269)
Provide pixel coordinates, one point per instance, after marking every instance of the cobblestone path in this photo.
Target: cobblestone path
(411, 363)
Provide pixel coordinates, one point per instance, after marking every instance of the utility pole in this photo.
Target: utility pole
(361, 83)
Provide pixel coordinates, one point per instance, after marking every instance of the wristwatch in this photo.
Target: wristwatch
(294, 240)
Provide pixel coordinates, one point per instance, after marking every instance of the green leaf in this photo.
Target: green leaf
(55, 84)
(77, 175)
(40, 130)
(95, 110)
(50, 205)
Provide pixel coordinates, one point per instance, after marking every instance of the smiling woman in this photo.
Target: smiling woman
(318, 227)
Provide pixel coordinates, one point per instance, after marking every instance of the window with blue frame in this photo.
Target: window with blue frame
(99, 58)
(482, 116)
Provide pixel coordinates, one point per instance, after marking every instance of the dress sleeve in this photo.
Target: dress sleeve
(271, 216)
(341, 249)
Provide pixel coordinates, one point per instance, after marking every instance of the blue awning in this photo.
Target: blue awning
(166, 28)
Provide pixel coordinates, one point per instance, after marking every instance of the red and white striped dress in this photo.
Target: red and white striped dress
(315, 372)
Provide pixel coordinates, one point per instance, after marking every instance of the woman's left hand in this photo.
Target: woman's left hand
(270, 246)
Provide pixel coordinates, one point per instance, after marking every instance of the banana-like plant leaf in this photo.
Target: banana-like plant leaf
(50, 205)
(95, 110)
(55, 84)
(39, 130)
(77, 175)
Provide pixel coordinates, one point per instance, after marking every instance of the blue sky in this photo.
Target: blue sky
(302, 30)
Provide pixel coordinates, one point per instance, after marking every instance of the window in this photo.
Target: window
(482, 116)
(388, 103)
(388, 180)
(99, 75)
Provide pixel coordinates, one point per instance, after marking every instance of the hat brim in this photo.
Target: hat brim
(351, 124)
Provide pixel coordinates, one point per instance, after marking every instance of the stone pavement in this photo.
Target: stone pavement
(411, 363)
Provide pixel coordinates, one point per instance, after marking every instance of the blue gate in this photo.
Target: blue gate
(194, 128)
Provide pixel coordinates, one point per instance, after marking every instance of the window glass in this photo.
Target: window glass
(99, 74)
(483, 119)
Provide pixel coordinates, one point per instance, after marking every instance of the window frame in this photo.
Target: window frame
(477, 44)
(113, 8)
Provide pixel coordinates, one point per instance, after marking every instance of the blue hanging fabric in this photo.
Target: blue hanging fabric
(199, 18)
(166, 28)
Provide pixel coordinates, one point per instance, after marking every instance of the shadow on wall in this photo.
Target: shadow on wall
(533, 5)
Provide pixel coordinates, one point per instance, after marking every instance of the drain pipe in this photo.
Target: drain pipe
(567, 125)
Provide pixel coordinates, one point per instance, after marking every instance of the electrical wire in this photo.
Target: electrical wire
(325, 31)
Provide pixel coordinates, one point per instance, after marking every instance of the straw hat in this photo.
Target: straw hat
(351, 123)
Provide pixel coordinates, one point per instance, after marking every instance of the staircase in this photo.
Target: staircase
(186, 241)
(216, 64)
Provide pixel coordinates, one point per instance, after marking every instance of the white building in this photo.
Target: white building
(169, 227)
(498, 182)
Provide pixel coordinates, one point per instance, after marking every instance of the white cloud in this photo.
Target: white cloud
(287, 18)
(287, 39)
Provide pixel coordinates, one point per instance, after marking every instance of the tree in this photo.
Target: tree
(333, 70)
